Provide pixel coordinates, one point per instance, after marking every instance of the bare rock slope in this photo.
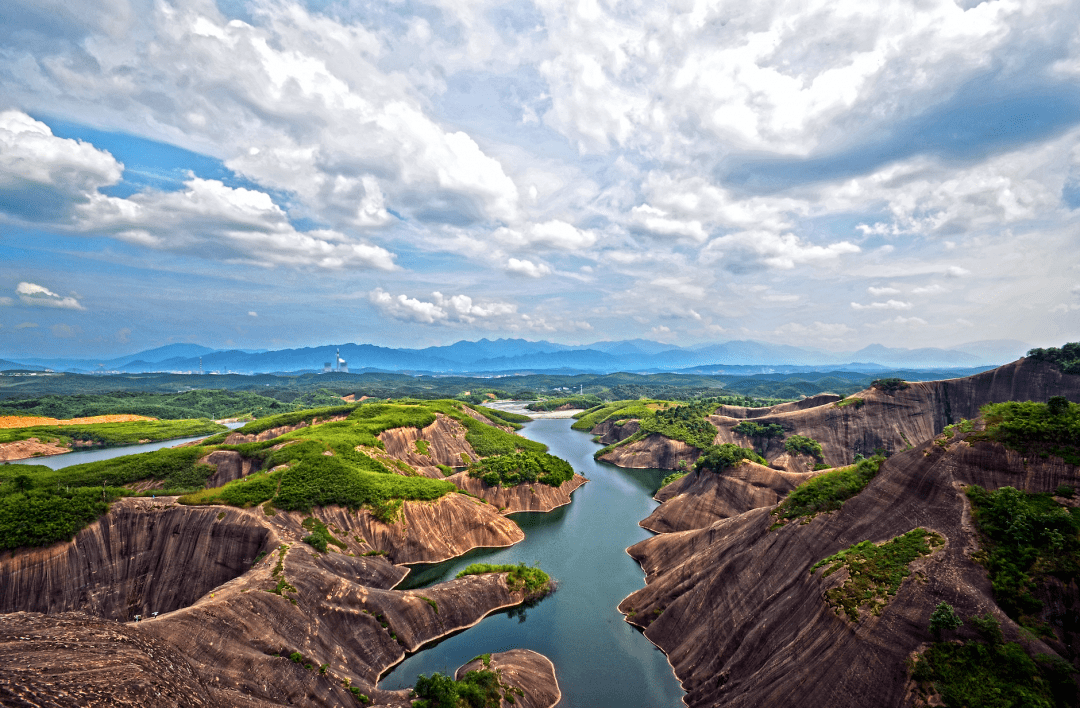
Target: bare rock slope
(744, 622)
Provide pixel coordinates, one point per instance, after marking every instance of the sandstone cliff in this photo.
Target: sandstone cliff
(653, 452)
(744, 622)
(521, 497)
(532, 673)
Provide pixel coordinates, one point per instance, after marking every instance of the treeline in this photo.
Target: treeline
(214, 404)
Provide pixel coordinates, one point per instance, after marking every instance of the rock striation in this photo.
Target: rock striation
(744, 622)
(520, 497)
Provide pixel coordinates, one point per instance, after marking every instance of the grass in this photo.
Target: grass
(875, 572)
(827, 491)
(422, 447)
(514, 420)
(1025, 539)
(476, 689)
(112, 434)
(522, 467)
(519, 577)
(550, 404)
(293, 418)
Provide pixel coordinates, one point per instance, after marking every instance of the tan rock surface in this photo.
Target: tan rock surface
(521, 497)
(529, 671)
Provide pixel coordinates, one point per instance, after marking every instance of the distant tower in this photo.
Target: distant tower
(200, 366)
(342, 365)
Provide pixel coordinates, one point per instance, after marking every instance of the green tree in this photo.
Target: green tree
(943, 617)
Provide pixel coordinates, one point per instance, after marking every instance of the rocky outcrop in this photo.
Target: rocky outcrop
(229, 465)
(531, 673)
(238, 592)
(521, 497)
(446, 445)
(700, 498)
(741, 412)
(610, 431)
(744, 622)
(73, 659)
(144, 556)
(29, 448)
(653, 451)
(271, 433)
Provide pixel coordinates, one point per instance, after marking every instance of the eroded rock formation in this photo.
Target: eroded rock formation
(521, 497)
(744, 621)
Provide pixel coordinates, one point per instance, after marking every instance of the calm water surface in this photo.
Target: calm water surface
(77, 458)
(600, 661)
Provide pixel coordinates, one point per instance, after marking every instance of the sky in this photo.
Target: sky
(276, 174)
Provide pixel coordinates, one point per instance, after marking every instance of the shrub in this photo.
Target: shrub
(320, 536)
(944, 617)
(801, 445)
(717, 458)
(521, 467)
(876, 572)
(519, 577)
(1033, 429)
(889, 385)
(673, 477)
(1067, 358)
(828, 491)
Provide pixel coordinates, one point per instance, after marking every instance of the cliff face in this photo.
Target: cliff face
(700, 498)
(230, 465)
(144, 556)
(235, 591)
(744, 622)
(653, 452)
(521, 497)
(609, 431)
(446, 445)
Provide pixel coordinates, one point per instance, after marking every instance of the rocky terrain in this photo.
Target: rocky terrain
(733, 599)
(158, 603)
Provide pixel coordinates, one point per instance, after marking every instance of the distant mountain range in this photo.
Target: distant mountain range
(504, 356)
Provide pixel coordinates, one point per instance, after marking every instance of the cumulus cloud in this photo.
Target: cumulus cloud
(933, 289)
(39, 296)
(440, 309)
(956, 272)
(527, 268)
(6, 301)
(64, 331)
(899, 321)
(252, 313)
(782, 251)
(888, 305)
(657, 221)
(878, 292)
(554, 234)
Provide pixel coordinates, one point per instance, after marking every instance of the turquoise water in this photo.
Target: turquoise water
(600, 660)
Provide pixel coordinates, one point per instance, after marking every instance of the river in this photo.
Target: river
(107, 453)
(600, 660)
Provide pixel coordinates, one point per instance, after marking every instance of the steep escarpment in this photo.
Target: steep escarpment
(527, 496)
(145, 556)
(895, 420)
(610, 431)
(441, 443)
(704, 496)
(744, 618)
(653, 451)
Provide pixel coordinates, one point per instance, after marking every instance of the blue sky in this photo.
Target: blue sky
(269, 174)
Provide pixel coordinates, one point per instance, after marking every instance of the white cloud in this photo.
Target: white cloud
(888, 305)
(773, 250)
(27, 325)
(781, 298)
(6, 301)
(252, 313)
(878, 292)
(63, 331)
(657, 221)
(38, 296)
(956, 272)
(555, 234)
(934, 289)
(527, 268)
(440, 309)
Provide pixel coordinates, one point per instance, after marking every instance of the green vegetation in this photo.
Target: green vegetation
(673, 477)
(677, 421)
(520, 467)
(992, 673)
(943, 617)
(422, 447)
(801, 445)
(476, 689)
(761, 433)
(320, 536)
(550, 404)
(850, 401)
(294, 418)
(1067, 358)
(889, 386)
(498, 417)
(434, 605)
(1025, 539)
(213, 404)
(1041, 429)
(520, 577)
(827, 491)
(717, 458)
(876, 572)
(446, 470)
(110, 434)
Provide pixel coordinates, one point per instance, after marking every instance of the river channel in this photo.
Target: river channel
(600, 660)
